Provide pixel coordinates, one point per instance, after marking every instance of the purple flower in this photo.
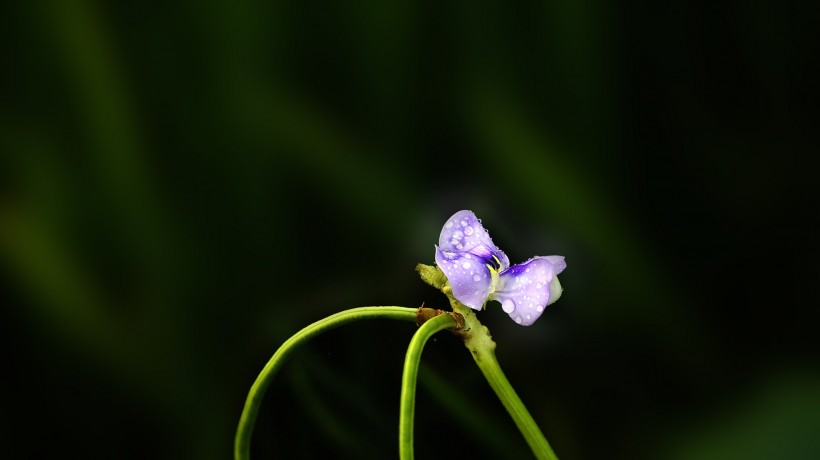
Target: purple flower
(478, 271)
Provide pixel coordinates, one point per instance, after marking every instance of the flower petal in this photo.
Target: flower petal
(524, 289)
(558, 263)
(468, 275)
(463, 232)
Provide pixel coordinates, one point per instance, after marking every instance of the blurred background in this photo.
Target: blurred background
(185, 185)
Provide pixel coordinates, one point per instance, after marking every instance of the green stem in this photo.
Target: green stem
(523, 420)
(477, 339)
(242, 441)
(408, 381)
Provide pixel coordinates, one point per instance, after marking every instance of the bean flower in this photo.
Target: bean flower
(478, 271)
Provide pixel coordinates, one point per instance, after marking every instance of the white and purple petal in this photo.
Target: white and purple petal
(468, 275)
(463, 232)
(524, 290)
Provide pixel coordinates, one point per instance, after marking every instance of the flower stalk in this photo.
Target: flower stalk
(478, 340)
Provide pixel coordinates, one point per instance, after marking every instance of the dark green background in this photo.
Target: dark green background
(185, 185)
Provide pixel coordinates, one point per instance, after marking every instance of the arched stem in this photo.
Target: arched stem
(244, 431)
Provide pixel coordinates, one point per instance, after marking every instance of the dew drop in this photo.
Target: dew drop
(540, 308)
(468, 231)
(508, 306)
(518, 319)
(466, 265)
(538, 286)
(449, 224)
(529, 316)
(476, 278)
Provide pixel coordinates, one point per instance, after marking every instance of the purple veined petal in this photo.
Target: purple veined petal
(524, 289)
(463, 232)
(468, 275)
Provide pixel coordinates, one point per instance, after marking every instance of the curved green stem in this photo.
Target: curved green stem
(408, 380)
(242, 440)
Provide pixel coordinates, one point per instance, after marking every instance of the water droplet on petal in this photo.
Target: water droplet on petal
(538, 286)
(518, 319)
(466, 265)
(529, 316)
(508, 306)
(540, 308)
(448, 224)
(476, 278)
(468, 231)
